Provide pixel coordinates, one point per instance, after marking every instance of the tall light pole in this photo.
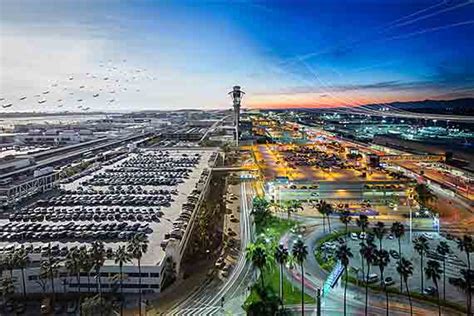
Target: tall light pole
(236, 95)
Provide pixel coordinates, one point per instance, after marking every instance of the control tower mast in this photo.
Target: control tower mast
(236, 95)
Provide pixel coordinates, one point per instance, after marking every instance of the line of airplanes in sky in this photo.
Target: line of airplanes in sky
(109, 79)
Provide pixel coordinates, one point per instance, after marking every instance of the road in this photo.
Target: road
(455, 183)
(206, 300)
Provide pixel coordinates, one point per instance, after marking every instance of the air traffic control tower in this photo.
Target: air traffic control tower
(236, 95)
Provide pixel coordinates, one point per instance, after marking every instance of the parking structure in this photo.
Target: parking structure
(151, 192)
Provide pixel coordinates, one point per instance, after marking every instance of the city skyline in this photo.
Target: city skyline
(313, 54)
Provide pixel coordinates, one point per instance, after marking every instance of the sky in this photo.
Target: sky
(88, 55)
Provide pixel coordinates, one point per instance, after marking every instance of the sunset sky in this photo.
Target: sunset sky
(190, 53)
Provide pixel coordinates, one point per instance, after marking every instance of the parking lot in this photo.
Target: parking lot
(313, 163)
(151, 192)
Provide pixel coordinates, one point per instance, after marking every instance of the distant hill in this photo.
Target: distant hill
(464, 106)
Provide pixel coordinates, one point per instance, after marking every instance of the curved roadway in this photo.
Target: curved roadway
(206, 299)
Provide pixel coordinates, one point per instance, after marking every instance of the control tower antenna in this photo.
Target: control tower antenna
(236, 95)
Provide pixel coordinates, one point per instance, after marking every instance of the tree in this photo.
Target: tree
(421, 246)
(300, 252)
(50, 267)
(325, 209)
(169, 272)
(257, 254)
(379, 231)
(87, 264)
(367, 250)
(362, 222)
(7, 287)
(260, 209)
(343, 254)
(97, 305)
(22, 260)
(398, 230)
(405, 269)
(97, 256)
(121, 256)
(226, 148)
(292, 206)
(433, 272)
(424, 195)
(345, 218)
(314, 205)
(382, 259)
(466, 244)
(72, 264)
(137, 247)
(281, 256)
(9, 263)
(443, 250)
(463, 283)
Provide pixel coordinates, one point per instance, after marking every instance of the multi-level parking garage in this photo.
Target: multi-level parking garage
(150, 192)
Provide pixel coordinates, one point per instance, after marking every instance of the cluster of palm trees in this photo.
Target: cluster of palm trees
(373, 254)
(263, 253)
(78, 261)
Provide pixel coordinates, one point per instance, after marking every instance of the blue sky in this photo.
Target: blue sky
(283, 53)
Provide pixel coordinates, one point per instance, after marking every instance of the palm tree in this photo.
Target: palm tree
(379, 231)
(443, 250)
(405, 269)
(463, 283)
(121, 256)
(22, 261)
(292, 206)
(137, 247)
(362, 222)
(281, 256)
(345, 218)
(7, 287)
(97, 256)
(87, 264)
(421, 246)
(314, 205)
(73, 266)
(343, 254)
(10, 263)
(398, 230)
(367, 251)
(325, 209)
(51, 268)
(433, 272)
(258, 255)
(466, 244)
(300, 252)
(382, 259)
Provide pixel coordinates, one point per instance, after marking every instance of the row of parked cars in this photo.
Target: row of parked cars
(181, 223)
(109, 199)
(55, 249)
(40, 214)
(130, 190)
(71, 231)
